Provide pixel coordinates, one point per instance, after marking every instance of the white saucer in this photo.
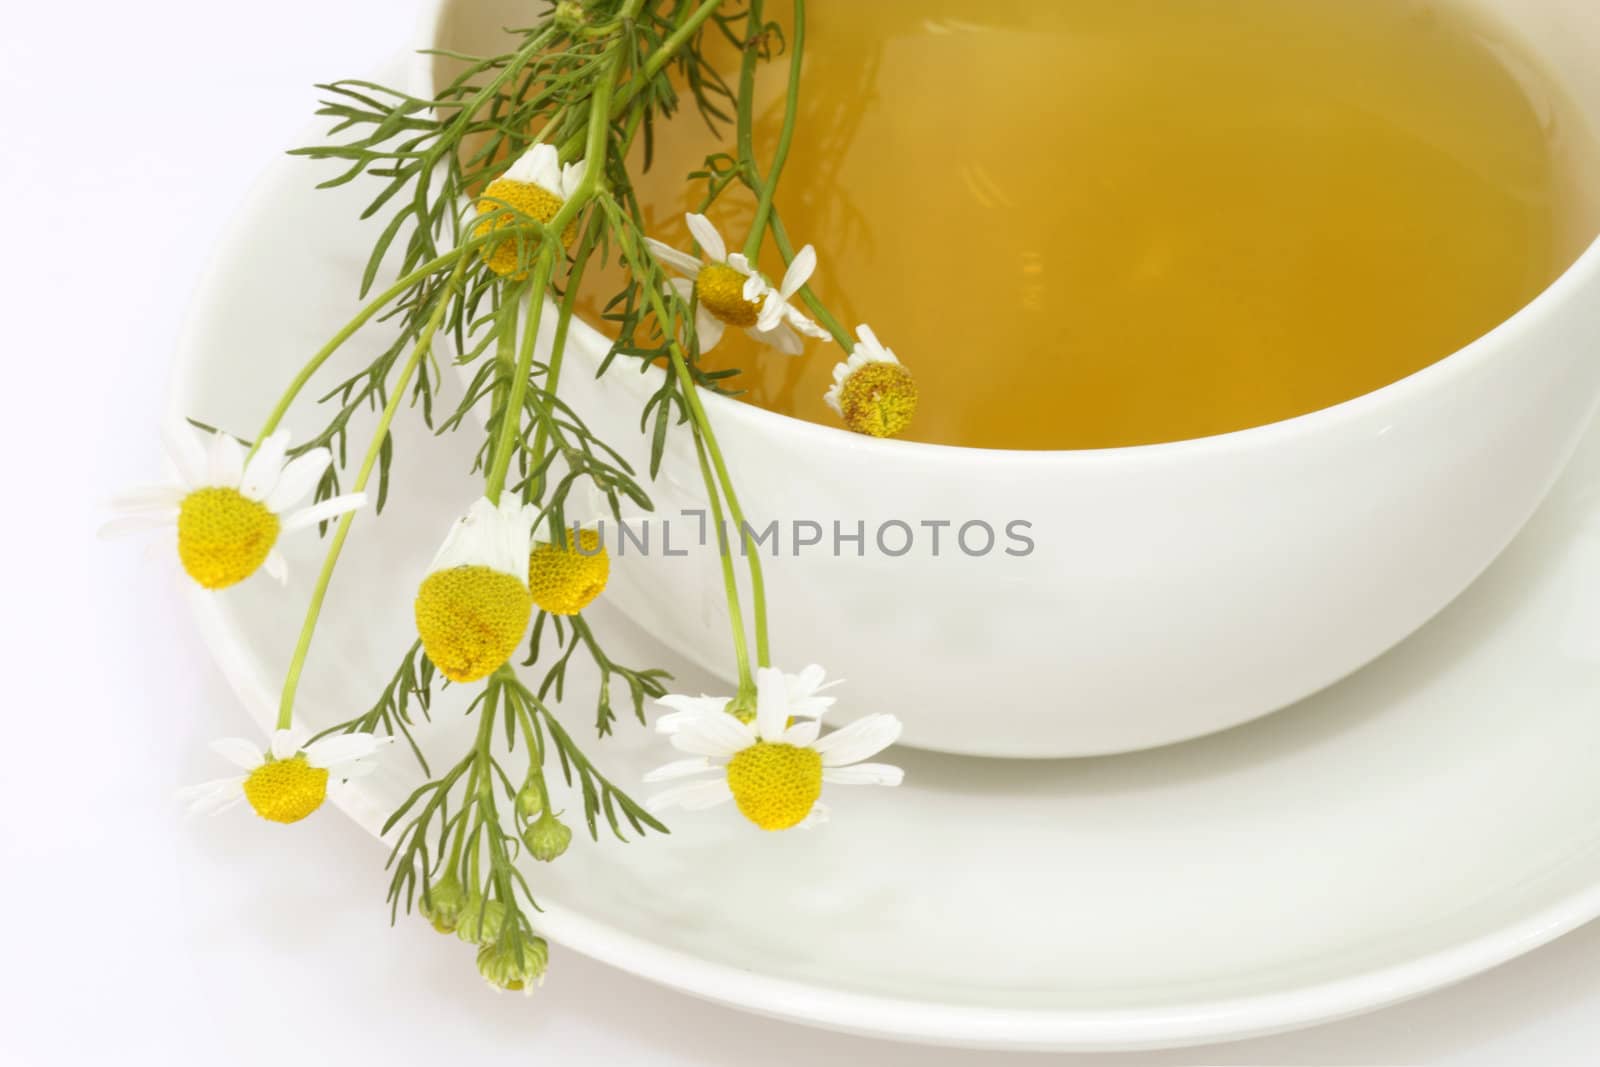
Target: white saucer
(1425, 820)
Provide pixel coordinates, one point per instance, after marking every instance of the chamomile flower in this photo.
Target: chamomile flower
(772, 770)
(474, 605)
(801, 691)
(872, 390)
(536, 186)
(229, 512)
(731, 292)
(564, 581)
(291, 779)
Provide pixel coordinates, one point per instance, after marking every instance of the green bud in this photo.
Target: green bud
(570, 14)
(547, 838)
(530, 802)
(742, 707)
(442, 904)
(480, 921)
(515, 967)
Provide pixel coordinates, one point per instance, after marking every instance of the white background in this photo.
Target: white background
(129, 934)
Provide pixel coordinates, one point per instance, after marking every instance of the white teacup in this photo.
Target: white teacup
(1171, 590)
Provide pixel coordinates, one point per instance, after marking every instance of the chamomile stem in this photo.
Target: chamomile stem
(741, 653)
(558, 351)
(593, 171)
(744, 121)
(511, 414)
(819, 310)
(297, 662)
(705, 448)
(658, 59)
(349, 330)
(780, 154)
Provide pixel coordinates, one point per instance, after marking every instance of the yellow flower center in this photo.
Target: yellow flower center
(471, 619)
(504, 199)
(878, 399)
(565, 581)
(286, 790)
(720, 289)
(775, 784)
(223, 537)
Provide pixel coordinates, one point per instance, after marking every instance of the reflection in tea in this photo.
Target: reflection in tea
(1090, 223)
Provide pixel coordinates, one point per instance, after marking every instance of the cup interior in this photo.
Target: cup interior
(1551, 46)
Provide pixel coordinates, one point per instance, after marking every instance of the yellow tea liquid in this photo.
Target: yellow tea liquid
(1087, 223)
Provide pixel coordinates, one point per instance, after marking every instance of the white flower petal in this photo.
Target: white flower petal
(276, 566)
(682, 702)
(344, 748)
(815, 817)
(299, 478)
(869, 341)
(712, 735)
(539, 165)
(864, 774)
(285, 743)
(799, 321)
(133, 523)
(739, 263)
(224, 462)
(803, 733)
(495, 536)
(800, 270)
(572, 177)
(331, 508)
(162, 498)
(862, 738)
(707, 237)
(357, 769)
(781, 338)
(682, 768)
(708, 328)
(262, 471)
(831, 398)
(771, 312)
(679, 261)
(214, 796)
(696, 796)
(772, 704)
(186, 453)
(239, 752)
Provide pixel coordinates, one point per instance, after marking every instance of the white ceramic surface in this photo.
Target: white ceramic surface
(1432, 816)
(1175, 590)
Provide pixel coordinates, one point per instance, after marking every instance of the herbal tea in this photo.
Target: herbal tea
(1090, 223)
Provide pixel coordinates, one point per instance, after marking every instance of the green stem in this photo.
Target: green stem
(291, 680)
(735, 611)
(758, 585)
(819, 311)
(511, 413)
(780, 155)
(744, 124)
(663, 55)
(706, 447)
(593, 172)
(558, 349)
(345, 334)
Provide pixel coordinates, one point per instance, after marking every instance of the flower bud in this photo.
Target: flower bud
(480, 921)
(547, 838)
(530, 802)
(443, 903)
(513, 966)
(569, 14)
